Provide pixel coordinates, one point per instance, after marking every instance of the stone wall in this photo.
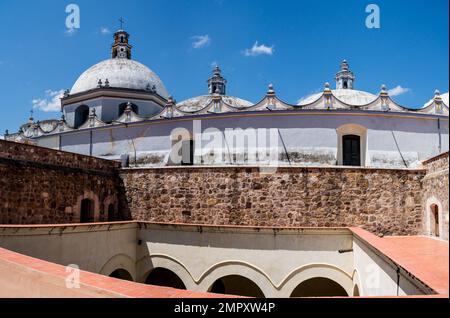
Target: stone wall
(42, 186)
(383, 201)
(435, 192)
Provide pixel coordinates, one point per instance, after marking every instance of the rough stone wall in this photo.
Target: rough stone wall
(435, 191)
(383, 201)
(42, 186)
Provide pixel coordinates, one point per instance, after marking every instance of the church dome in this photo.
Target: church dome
(197, 103)
(444, 98)
(120, 73)
(216, 86)
(348, 96)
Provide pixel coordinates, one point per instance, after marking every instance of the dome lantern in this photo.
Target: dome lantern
(217, 84)
(121, 48)
(345, 78)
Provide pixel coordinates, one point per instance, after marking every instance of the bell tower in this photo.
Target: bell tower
(345, 78)
(217, 84)
(121, 49)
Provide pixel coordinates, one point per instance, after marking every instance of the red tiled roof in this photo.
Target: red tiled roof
(424, 257)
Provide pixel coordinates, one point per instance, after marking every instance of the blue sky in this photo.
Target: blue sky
(299, 47)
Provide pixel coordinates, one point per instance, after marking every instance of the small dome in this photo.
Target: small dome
(348, 96)
(444, 98)
(197, 103)
(120, 73)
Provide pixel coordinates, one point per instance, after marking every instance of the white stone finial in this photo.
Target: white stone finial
(384, 88)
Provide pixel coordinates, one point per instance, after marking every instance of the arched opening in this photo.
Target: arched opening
(81, 115)
(351, 145)
(111, 212)
(356, 291)
(345, 86)
(164, 277)
(87, 211)
(434, 220)
(123, 106)
(236, 285)
(121, 274)
(319, 287)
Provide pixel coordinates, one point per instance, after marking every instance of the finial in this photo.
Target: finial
(122, 22)
(106, 83)
(217, 70)
(31, 119)
(384, 88)
(66, 93)
(271, 90)
(437, 93)
(327, 86)
(99, 84)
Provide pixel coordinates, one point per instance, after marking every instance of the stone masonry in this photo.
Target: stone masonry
(435, 191)
(383, 201)
(42, 186)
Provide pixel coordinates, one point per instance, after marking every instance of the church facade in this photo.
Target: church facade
(120, 110)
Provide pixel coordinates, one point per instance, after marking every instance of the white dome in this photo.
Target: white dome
(121, 73)
(348, 96)
(197, 103)
(444, 99)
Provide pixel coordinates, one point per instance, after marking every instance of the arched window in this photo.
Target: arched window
(164, 277)
(236, 285)
(434, 220)
(345, 86)
(123, 106)
(87, 211)
(352, 145)
(81, 115)
(319, 287)
(351, 150)
(121, 274)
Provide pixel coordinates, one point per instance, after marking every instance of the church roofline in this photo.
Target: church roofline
(113, 92)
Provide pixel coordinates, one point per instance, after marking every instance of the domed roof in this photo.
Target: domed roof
(444, 98)
(348, 96)
(121, 73)
(197, 103)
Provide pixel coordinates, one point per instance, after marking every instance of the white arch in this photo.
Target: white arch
(234, 267)
(119, 261)
(314, 271)
(353, 129)
(356, 282)
(88, 194)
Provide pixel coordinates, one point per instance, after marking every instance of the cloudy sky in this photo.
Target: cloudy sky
(296, 45)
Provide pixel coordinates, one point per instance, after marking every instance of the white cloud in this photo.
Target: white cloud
(200, 41)
(398, 90)
(104, 30)
(259, 50)
(50, 103)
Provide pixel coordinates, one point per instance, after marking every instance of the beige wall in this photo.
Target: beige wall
(277, 260)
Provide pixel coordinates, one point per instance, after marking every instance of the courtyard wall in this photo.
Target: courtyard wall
(382, 201)
(42, 186)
